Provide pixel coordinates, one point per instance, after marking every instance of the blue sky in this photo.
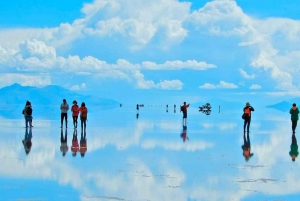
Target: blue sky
(160, 47)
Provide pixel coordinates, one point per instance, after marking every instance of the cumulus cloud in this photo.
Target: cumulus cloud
(78, 87)
(24, 79)
(221, 85)
(36, 56)
(255, 86)
(246, 75)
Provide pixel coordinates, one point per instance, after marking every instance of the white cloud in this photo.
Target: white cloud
(246, 75)
(36, 56)
(222, 85)
(24, 79)
(178, 65)
(36, 49)
(255, 86)
(78, 87)
(170, 85)
(207, 86)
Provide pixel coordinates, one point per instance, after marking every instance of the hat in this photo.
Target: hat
(247, 104)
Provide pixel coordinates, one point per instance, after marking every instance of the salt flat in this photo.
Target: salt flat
(152, 157)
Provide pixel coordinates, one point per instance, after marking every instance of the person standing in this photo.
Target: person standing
(27, 112)
(294, 111)
(247, 116)
(74, 110)
(184, 111)
(83, 115)
(64, 107)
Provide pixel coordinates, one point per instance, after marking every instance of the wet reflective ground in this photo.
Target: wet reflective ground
(151, 156)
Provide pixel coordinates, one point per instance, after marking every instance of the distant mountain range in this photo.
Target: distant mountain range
(285, 106)
(45, 101)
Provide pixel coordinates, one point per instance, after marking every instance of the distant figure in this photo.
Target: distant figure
(184, 111)
(137, 115)
(27, 140)
(247, 148)
(137, 107)
(184, 134)
(83, 115)
(294, 148)
(167, 106)
(83, 144)
(75, 145)
(74, 110)
(64, 142)
(247, 116)
(64, 107)
(27, 112)
(294, 111)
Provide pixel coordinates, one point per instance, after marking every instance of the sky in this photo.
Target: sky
(161, 47)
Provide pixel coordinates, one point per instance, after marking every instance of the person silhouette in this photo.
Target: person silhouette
(83, 115)
(64, 107)
(27, 112)
(27, 140)
(184, 134)
(74, 110)
(83, 144)
(247, 116)
(64, 142)
(247, 148)
(294, 148)
(75, 145)
(183, 109)
(294, 111)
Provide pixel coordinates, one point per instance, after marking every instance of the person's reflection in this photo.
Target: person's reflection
(27, 140)
(64, 142)
(83, 144)
(247, 147)
(75, 145)
(294, 148)
(184, 134)
(137, 115)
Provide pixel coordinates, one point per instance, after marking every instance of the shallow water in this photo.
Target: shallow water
(146, 158)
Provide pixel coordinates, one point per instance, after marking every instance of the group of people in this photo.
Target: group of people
(64, 107)
(75, 109)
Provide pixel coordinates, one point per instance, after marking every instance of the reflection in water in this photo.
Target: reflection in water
(27, 140)
(184, 134)
(294, 148)
(75, 145)
(83, 144)
(247, 147)
(137, 115)
(64, 142)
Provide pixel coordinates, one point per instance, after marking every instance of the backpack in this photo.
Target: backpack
(181, 109)
(246, 113)
(29, 111)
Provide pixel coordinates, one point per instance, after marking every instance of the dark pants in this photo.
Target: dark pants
(62, 117)
(83, 122)
(247, 122)
(75, 121)
(294, 125)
